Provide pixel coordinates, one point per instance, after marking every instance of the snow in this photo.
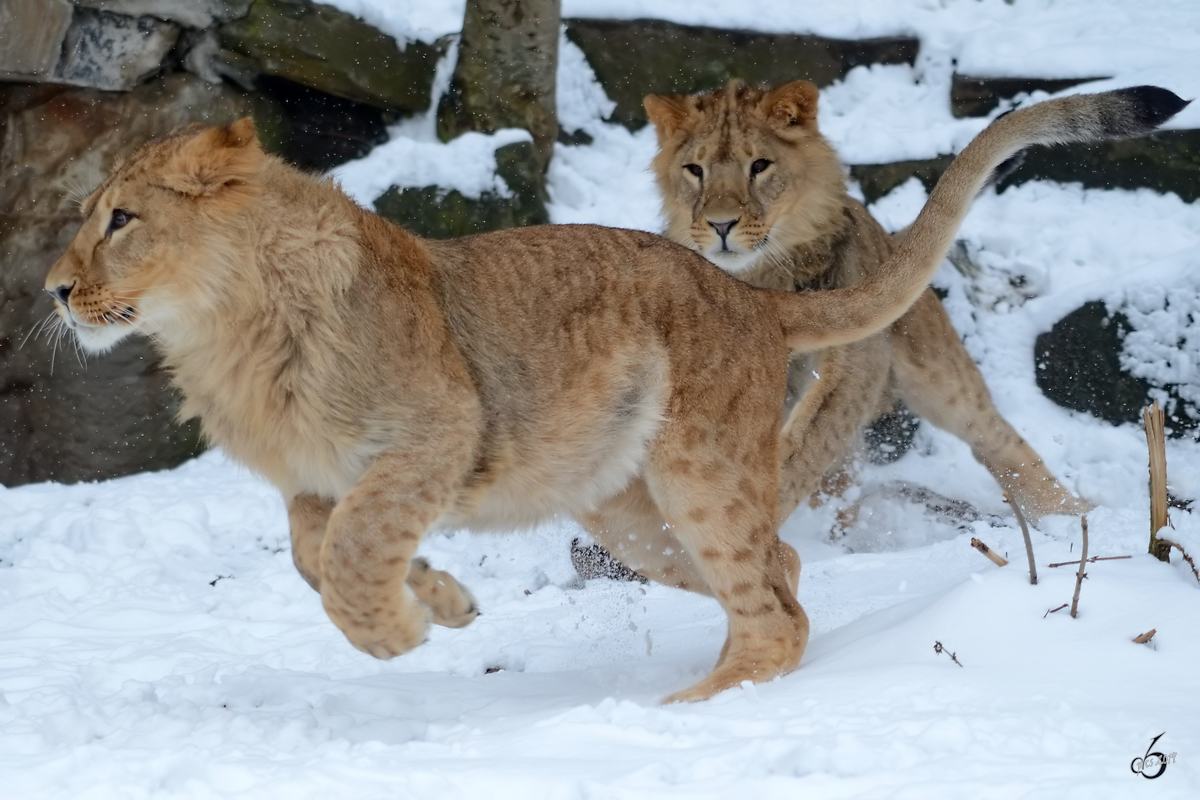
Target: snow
(157, 642)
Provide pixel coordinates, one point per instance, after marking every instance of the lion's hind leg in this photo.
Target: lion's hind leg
(937, 379)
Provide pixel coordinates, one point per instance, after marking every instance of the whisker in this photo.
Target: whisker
(36, 328)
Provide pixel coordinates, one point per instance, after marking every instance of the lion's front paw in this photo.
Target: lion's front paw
(388, 626)
(451, 604)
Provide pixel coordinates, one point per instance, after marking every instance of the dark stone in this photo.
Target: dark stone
(876, 180)
(104, 416)
(1165, 161)
(633, 59)
(1077, 365)
(593, 561)
(890, 436)
(319, 46)
(977, 97)
(437, 214)
(323, 130)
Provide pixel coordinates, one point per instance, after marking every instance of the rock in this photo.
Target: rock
(977, 97)
(35, 53)
(190, 13)
(111, 51)
(96, 49)
(323, 131)
(437, 214)
(1165, 161)
(633, 59)
(1078, 365)
(876, 180)
(321, 47)
(91, 418)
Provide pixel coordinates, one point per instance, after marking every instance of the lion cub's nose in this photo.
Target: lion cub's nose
(723, 229)
(61, 292)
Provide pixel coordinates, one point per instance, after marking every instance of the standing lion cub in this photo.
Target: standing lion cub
(388, 385)
(763, 197)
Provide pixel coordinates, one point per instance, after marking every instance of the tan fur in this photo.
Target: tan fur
(388, 385)
(797, 229)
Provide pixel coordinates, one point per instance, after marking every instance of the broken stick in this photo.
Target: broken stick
(1154, 420)
(1145, 637)
(996, 558)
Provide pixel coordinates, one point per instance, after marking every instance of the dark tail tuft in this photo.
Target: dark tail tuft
(1150, 106)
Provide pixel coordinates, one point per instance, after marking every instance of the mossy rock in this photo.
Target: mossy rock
(327, 49)
(640, 57)
(1166, 161)
(876, 180)
(977, 97)
(435, 213)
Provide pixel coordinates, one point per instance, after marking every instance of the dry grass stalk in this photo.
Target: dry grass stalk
(1025, 533)
(995, 557)
(1145, 637)
(1079, 576)
(940, 648)
(1154, 420)
(1168, 544)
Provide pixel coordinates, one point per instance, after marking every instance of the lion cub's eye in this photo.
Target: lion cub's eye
(120, 218)
(759, 166)
(695, 169)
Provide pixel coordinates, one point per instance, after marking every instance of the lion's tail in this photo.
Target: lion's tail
(814, 320)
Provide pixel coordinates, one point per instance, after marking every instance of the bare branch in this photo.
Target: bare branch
(1080, 575)
(1091, 560)
(1168, 544)
(1025, 533)
(939, 648)
(996, 559)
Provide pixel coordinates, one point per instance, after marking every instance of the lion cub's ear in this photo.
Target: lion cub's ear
(791, 105)
(216, 159)
(666, 112)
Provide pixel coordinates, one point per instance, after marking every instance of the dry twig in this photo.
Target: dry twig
(995, 557)
(1025, 533)
(1091, 560)
(1156, 441)
(1145, 637)
(1168, 544)
(1051, 611)
(1080, 575)
(939, 648)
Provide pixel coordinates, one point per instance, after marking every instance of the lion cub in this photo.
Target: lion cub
(388, 385)
(765, 200)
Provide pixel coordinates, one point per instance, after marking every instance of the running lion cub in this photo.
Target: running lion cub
(763, 196)
(388, 385)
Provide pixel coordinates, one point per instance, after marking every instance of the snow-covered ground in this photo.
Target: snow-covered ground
(156, 641)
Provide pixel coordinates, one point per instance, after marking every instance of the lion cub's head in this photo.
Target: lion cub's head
(744, 172)
(146, 243)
